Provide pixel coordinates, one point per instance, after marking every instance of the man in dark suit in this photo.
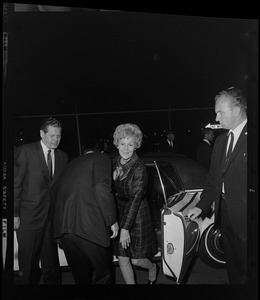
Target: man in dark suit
(168, 144)
(204, 149)
(32, 182)
(84, 213)
(227, 182)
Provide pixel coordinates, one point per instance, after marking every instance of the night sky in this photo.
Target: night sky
(96, 61)
(100, 63)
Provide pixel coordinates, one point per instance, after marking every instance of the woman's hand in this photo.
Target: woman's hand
(125, 239)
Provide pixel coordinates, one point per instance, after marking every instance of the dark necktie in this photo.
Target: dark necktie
(229, 151)
(49, 164)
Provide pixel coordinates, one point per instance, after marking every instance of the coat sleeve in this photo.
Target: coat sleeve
(213, 185)
(204, 155)
(136, 187)
(102, 174)
(20, 169)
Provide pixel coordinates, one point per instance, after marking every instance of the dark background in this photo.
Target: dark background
(113, 67)
(100, 64)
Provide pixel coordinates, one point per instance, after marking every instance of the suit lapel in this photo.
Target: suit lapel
(223, 154)
(57, 166)
(56, 162)
(241, 140)
(42, 159)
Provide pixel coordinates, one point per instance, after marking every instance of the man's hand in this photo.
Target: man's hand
(114, 229)
(194, 213)
(125, 239)
(16, 223)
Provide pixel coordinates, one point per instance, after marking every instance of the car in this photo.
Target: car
(174, 185)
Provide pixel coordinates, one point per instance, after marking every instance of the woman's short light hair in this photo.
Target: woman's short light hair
(128, 130)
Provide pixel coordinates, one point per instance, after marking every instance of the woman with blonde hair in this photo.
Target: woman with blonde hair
(137, 242)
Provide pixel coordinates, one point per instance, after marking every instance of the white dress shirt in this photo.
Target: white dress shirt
(208, 142)
(237, 131)
(45, 151)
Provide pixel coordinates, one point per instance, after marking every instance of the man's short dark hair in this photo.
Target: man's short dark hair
(206, 131)
(50, 121)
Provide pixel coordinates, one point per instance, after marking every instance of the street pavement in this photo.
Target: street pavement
(197, 273)
(201, 282)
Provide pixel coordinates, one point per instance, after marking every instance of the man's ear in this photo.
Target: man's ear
(41, 133)
(237, 111)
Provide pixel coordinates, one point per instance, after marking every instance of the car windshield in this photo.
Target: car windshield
(192, 175)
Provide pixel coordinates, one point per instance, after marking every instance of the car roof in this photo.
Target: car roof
(192, 175)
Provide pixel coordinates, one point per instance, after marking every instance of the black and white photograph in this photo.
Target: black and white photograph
(125, 156)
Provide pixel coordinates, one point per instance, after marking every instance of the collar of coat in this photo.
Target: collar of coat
(124, 169)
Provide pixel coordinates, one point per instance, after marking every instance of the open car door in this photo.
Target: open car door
(179, 235)
(180, 240)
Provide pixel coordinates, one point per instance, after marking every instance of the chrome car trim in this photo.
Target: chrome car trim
(206, 246)
(191, 200)
(162, 185)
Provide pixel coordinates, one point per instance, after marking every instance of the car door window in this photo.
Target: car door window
(170, 179)
(154, 192)
(154, 195)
